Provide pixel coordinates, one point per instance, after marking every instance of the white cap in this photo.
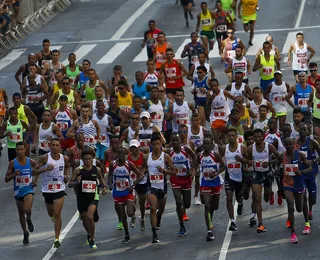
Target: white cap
(145, 114)
(278, 72)
(135, 143)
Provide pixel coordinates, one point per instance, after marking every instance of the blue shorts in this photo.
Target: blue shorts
(295, 189)
(311, 185)
(100, 149)
(264, 84)
(200, 102)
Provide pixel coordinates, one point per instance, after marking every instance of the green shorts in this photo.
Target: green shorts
(249, 18)
(209, 34)
(278, 114)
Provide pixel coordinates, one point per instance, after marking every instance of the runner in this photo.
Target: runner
(261, 122)
(193, 49)
(206, 19)
(185, 163)
(196, 132)
(295, 126)
(155, 108)
(230, 7)
(38, 77)
(150, 38)
(114, 112)
(187, 9)
(314, 103)
(124, 98)
(151, 76)
(192, 74)
(3, 105)
(279, 93)
(45, 55)
(257, 101)
(266, 64)
(87, 89)
(234, 154)
(298, 55)
(85, 179)
(156, 164)
(247, 12)
(73, 70)
(129, 133)
(295, 167)
(54, 168)
(117, 76)
(245, 113)
(83, 76)
(260, 153)
(98, 93)
(274, 49)
(211, 166)
(20, 171)
(313, 67)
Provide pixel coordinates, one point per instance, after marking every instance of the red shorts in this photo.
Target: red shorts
(123, 200)
(184, 183)
(67, 143)
(213, 190)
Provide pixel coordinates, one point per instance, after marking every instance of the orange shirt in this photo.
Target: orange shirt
(160, 55)
(249, 7)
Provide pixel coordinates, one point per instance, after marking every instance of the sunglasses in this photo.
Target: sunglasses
(120, 88)
(229, 32)
(135, 118)
(65, 83)
(161, 91)
(313, 70)
(169, 54)
(183, 131)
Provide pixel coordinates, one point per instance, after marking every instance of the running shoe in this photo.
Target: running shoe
(294, 239)
(92, 245)
(142, 227)
(233, 226)
(240, 209)
(159, 220)
(126, 239)
(197, 201)
(210, 236)
(271, 198)
(96, 216)
(56, 243)
(30, 225)
(155, 239)
(25, 238)
(133, 222)
(185, 217)
(250, 43)
(120, 226)
(187, 24)
(306, 231)
(182, 232)
(261, 229)
(147, 206)
(280, 199)
(252, 222)
(310, 215)
(88, 240)
(288, 225)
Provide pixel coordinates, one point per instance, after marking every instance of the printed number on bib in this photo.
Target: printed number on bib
(207, 173)
(171, 72)
(53, 186)
(89, 186)
(22, 181)
(258, 166)
(145, 142)
(122, 184)
(206, 21)
(240, 139)
(303, 102)
(156, 178)
(233, 166)
(63, 126)
(279, 99)
(88, 140)
(267, 70)
(231, 54)
(194, 59)
(161, 57)
(14, 137)
(290, 169)
(221, 28)
(45, 145)
(181, 169)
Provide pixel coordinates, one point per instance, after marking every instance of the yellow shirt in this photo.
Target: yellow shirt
(125, 103)
(245, 119)
(22, 115)
(267, 70)
(249, 7)
(206, 21)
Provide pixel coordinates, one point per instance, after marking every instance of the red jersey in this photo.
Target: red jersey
(137, 163)
(151, 36)
(172, 70)
(313, 84)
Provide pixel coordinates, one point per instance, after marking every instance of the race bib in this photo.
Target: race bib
(240, 139)
(199, 94)
(267, 71)
(44, 62)
(181, 169)
(231, 54)
(171, 72)
(206, 21)
(54, 186)
(122, 184)
(161, 58)
(219, 114)
(117, 130)
(14, 137)
(157, 117)
(88, 140)
(89, 186)
(133, 176)
(279, 99)
(144, 142)
(258, 166)
(303, 102)
(53, 79)
(207, 172)
(233, 166)
(22, 181)
(45, 145)
(181, 119)
(194, 59)
(302, 59)
(290, 169)
(221, 28)
(156, 178)
(64, 126)
(318, 105)
(125, 108)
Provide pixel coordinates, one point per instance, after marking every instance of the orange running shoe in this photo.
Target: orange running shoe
(185, 217)
(288, 224)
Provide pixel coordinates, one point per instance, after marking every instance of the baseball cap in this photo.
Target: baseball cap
(135, 143)
(278, 72)
(145, 114)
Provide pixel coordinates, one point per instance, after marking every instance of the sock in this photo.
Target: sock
(232, 220)
(254, 215)
(307, 224)
(154, 231)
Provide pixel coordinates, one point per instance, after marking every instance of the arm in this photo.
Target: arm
(291, 92)
(213, 74)
(271, 109)
(11, 174)
(74, 180)
(310, 101)
(102, 181)
(306, 162)
(77, 101)
(291, 49)
(312, 52)
(72, 129)
(124, 136)
(198, 23)
(53, 101)
(190, 73)
(257, 65)
(277, 62)
(157, 130)
(229, 67)
(168, 162)
(267, 93)
(18, 73)
(57, 132)
(185, 51)
(239, 9)
(41, 162)
(66, 169)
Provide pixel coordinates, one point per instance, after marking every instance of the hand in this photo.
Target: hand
(49, 138)
(66, 179)
(193, 172)
(260, 66)
(238, 158)
(265, 164)
(192, 91)
(104, 190)
(50, 167)
(213, 175)
(79, 178)
(17, 172)
(298, 172)
(203, 90)
(34, 183)
(289, 62)
(9, 132)
(160, 169)
(174, 77)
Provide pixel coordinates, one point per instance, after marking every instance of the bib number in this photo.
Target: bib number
(14, 137)
(290, 169)
(221, 28)
(122, 184)
(156, 178)
(303, 102)
(22, 181)
(54, 186)
(267, 71)
(89, 186)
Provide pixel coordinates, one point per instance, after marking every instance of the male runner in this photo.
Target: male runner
(257, 101)
(247, 12)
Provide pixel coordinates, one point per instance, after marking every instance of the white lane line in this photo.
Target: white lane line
(11, 57)
(180, 49)
(228, 236)
(303, 3)
(81, 52)
(142, 56)
(257, 41)
(113, 53)
(215, 52)
(131, 20)
(291, 38)
(62, 236)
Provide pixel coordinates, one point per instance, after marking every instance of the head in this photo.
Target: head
(152, 24)
(238, 103)
(235, 115)
(66, 83)
(194, 37)
(303, 130)
(297, 115)
(20, 150)
(92, 74)
(239, 51)
(46, 44)
(278, 75)
(219, 6)
(150, 64)
(230, 33)
(72, 58)
(63, 101)
(100, 106)
(302, 77)
(16, 99)
(154, 93)
(113, 101)
(33, 68)
(47, 116)
(214, 85)
(269, 38)
(55, 55)
(136, 102)
(32, 59)
(209, 135)
(207, 145)
(79, 138)
(117, 70)
(299, 37)
(122, 87)
(135, 119)
(263, 111)
(86, 64)
(161, 37)
(286, 131)
(98, 92)
(232, 136)
(179, 96)
(156, 142)
(258, 136)
(248, 137)
(55, 146)
(121, 154)
(87, 156)
(313, 67)
(114, 142)
(162, 91)
(85, 111)
(201, 72)
(266, 47)
(288, 144)
(175, 140)
(13, 113)
(272, 124)
(183, 131)
(169, 54)
(195, 120)
(204, 6)
(317, 85)
(202, 58)
(238, 77)
(31, 78)
(139, 77)
(256, 93)
(145, 118)
(59, 76)
(134, 146)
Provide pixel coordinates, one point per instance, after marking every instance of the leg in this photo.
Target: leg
(196, 185)
(252, 23)
(57, 208)
(153, 213)
(229, 197)
(161, 207)
(290, 202)
(206, 199)
(204, 40)
(257, 193)
(90, 221)
(267, 193)
(211, 43)
(282, 121)
(202, 114)
(186, 195)
(177, 193)
(22, 217)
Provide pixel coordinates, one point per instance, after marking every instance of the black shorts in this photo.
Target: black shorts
(160, 194)
(22, 198)
(235, 186)
(12, 154)
(262, 178)
(142, 188)
(316, 122)
(50, 197)
(38, 110)
(84, 205)
(185, 2)
(222, 35)
(307, 117)
(296, 72)
(200, 103)
(172, 90)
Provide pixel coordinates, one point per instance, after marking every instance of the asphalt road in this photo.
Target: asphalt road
(98, 23)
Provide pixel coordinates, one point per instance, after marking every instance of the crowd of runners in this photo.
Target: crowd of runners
(138, 140)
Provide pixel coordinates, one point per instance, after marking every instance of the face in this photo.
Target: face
(33, 69)
(59, 76)
(145, 121)
(179, 96)
(313, 70)
(183, 132)
(135, 119)
(85, 112)
(46, 117)
(117, 73)
(238, 102)
(134, 150)
(303, 130)
(98, 92)
(136, 103)
(204, 7)
(63, 103)
(32, 59)
(114, 143)
(288, 144)
(263, 112)
(299, 38)
(79, 140)
(202, 58)
(65, 84)
(156, 145)
(195, 121)
(161, 91)
(278, 76)
(87, 160)
(113, 102)
(161, 38)
(150, 65)
(100, 106)
(256, 93)
(317, 86)
(238, 52)
(238, 78)
(46, 46)
(152, 25)
(272, 124)
(85, 65)
(207, 145)
(232, 137)
(55, 56)
(249, 140)
(55, 146)
(122, 89)
(201, 74)
(230, 33)
(297, 118)
(194, 37)
(219, 6)
(258, 138)
(154, 93)
(287, 131)
(16, 101)
(31, 79)
(302, 78)
(170, 55)
(92, 74)
(139, 77)
(235, 116)
(13, 114)
(214, 86)
(20, 150)
(266, 48)
(72, 58)
(175, 141)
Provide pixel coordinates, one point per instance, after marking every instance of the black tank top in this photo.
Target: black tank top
(32, 93)
(88, 186)
(44, 57)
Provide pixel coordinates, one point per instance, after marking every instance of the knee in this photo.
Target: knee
(229, 200)
(153, 210)
(257, 199)
(178, 204)
(130, 213)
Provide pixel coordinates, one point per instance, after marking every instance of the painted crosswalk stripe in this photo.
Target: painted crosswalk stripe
(56, 47)
(215, 52)
(142, 56)
(291, 38)
(257, 41)
(81, 52)
(11, 57)
(180, 49)
(113, 53)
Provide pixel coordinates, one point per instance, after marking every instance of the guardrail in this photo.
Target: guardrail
(33, 14)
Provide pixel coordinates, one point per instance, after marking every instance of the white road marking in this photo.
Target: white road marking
(11, 57)
(81, 52)
(303, 3)
(180, 49)
(113, 53)
(56, 47)
(228, 236)
(142, 56)
(62, 235)
(257, 41)
(215, 52)
(131, 20)
(291, 38)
